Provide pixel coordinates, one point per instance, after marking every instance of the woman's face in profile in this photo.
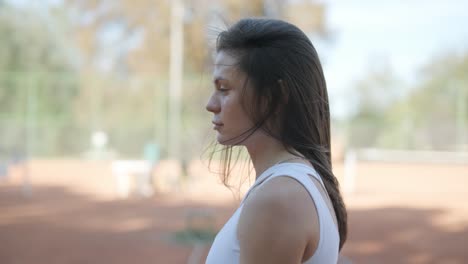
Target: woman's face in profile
(229, 118)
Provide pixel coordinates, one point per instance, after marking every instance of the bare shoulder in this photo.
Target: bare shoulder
(277, 223)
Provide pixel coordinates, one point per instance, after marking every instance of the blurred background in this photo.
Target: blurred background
(104, 136)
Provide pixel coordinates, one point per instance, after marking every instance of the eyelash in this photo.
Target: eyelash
(222, 89)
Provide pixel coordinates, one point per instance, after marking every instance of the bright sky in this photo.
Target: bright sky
(404, 34)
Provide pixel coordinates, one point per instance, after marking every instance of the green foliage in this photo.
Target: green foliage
(30, 49)
(30, 43)
(194, 236)
(374, 96)
(432, 116)
(54, 93)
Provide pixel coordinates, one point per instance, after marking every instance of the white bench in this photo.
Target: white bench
(124, 170)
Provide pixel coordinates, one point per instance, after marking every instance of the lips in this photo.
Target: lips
(217, 125)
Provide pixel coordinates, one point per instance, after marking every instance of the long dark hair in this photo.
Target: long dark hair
(290, 100)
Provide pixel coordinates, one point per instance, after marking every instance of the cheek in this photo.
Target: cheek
(240, 118)
(232, 110)
(232, 107)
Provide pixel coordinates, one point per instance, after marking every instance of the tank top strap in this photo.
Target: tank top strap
(298, 171)
(260, 179)
(301, 173)
(329, 236)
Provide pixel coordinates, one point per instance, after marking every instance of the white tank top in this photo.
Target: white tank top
(225, 248)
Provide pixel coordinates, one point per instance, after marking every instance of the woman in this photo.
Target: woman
(270, 97)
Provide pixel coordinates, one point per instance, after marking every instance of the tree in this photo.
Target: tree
(141, 31)
(374, 96)
(31, 51)
(432, 115)
(435, 114)
(123, 65)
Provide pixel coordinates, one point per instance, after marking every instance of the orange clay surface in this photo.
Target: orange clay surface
(398, 213)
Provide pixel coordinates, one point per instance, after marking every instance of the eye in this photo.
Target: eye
(223, 89)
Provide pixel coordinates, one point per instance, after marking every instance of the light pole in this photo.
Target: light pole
(461, 115)
(175, 82)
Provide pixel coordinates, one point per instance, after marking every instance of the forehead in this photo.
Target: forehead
(225, 66)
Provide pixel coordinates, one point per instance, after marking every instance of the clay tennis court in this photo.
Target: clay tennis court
(398, 213)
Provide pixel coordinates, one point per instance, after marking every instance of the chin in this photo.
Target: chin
(222, 140)
(229, 140)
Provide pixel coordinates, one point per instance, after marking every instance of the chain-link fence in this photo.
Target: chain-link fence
(44, 114)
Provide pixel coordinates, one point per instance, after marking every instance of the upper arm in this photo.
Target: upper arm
(276, 223)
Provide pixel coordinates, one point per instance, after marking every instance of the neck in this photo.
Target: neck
(266, 152)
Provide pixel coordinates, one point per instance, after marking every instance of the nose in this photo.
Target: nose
(213, 105)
